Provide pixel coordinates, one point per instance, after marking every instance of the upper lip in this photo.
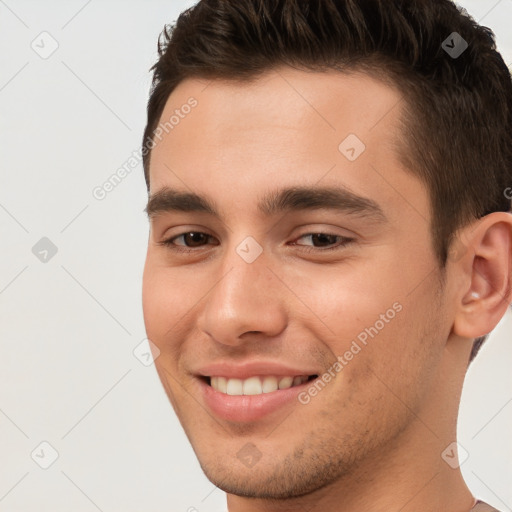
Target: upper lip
(250, 369)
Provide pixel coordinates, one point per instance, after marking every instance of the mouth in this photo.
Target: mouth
(256, 385)
(254, 398)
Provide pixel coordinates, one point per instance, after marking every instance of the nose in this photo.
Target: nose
(246, 298)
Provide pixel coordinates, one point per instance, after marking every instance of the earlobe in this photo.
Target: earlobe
(487, 268)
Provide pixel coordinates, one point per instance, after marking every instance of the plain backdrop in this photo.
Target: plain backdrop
(74, 81)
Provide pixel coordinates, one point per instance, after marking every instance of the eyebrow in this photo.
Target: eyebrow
(275, 202)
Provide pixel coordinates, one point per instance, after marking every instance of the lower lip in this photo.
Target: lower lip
(246, 408)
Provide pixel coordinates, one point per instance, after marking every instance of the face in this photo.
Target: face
(292, 327)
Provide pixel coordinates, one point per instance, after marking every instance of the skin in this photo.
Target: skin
(372, 439)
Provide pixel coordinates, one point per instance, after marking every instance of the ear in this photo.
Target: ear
(485, 272)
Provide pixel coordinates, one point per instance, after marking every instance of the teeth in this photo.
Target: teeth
(269, 384)
(222, 384)
(286, 382)
(255, 385)
(252, 386)
(234, 387)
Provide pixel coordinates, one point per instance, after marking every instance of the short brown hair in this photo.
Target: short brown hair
(457, 120)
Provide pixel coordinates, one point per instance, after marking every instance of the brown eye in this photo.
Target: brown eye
(191, 240)
(325, 239)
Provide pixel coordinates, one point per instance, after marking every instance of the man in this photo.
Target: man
(330, 234)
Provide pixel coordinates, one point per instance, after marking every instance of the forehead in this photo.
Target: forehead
(304, 102)
(286, 127)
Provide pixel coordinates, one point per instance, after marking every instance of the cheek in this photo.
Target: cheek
(351, 305)
(152, 303)
(163, 309)
(396, 365)
(162, 304)
(169, 300)
(376, 325)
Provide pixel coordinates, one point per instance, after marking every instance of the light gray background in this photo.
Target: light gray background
(69, 325)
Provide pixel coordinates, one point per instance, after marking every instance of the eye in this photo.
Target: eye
(326, 239)
(194, 238)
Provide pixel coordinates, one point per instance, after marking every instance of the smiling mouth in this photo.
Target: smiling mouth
(256, 385)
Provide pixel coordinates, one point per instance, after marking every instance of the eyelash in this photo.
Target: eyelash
(344, 242)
